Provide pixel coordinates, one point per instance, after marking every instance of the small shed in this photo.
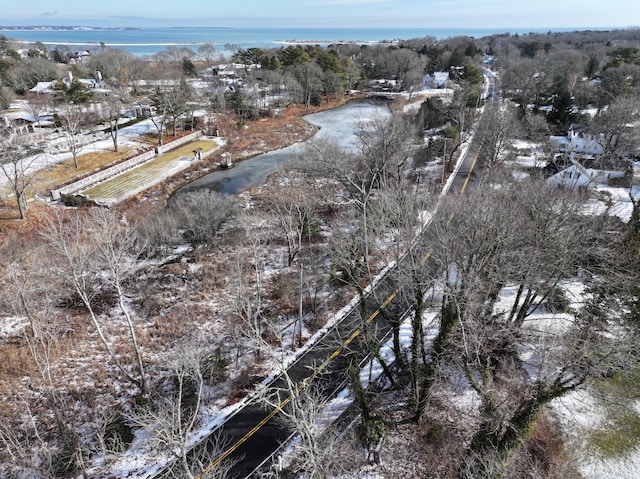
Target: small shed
(226, 160)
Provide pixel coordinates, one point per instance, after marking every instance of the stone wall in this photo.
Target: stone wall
(122, 167)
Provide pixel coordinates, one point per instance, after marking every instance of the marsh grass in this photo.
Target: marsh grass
(618, 397)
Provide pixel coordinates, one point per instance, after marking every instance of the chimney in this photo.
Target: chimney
(70, 76)
(98, 76)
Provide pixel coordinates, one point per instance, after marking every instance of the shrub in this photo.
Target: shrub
(214, 367)
(556, 301)
(244, 381)
(372, 431)
(76, 201)
(279, 286)
(311, 225)
(157, 232)
(118, 435)
(625, 182)
(66, 461)
(201, 214)
(434, 434)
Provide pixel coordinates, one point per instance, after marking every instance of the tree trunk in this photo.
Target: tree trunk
(448, 319)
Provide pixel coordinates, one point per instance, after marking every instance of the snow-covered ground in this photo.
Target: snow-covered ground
(578, 411)
(127, 136)
(581, 414)
(615, 200)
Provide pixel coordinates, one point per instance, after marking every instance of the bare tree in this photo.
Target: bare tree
(27, 73)
(207, 52)
(317, 450)
(294, 212)
(117, 66)
(31, 294)
(28, 451)
(532, 240)
(613, 130)
(525, 80)
(20, 165)
(248, 286)
(72, 241)
(162, 105)
(116, 245)
(38, 106)
(73, 120)
(381, 162)
(171, 421)
(114, 103)
(410, 70)
(200, 215)
(310, 77)
(499, 127)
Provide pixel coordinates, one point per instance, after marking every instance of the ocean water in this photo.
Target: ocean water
(147, 41)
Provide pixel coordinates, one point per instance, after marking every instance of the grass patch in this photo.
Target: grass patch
(187, 150)
(623, 387)
(619, 437)
(620, 434)
(132, 179)
(59, 173)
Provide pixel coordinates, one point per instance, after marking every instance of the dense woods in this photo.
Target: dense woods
(126, 329)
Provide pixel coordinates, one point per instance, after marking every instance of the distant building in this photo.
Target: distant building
(73, 58)
(578, 140)
(577, 176)
(93, 84)
(436, 80)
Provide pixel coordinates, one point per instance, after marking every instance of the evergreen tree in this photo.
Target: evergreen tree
(562, 112)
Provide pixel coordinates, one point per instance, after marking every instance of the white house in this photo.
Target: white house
(578, 140)
(43, 87)
(93, 84)
(78, 57)
(437, 80)
(231, 70)
(577, 176)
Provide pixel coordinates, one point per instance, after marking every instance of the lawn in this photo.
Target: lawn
(148, 173)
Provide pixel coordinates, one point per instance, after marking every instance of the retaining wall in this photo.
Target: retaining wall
(121, 167)
(152, 182)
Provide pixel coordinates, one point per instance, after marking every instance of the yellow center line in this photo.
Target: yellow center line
(244, 438)
(333, 355)
(304, 383)
(473, 164)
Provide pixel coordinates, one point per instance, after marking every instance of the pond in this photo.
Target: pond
(337, 125)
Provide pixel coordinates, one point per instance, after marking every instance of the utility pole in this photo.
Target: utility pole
(299, 338)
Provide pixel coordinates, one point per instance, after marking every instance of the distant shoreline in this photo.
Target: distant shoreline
(145, 41)
(98, 44)
(335, 42)
(75, 28)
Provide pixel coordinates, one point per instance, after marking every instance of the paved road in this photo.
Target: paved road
(252, 432)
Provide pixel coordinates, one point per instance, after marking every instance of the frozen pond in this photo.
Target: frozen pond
(337, 124)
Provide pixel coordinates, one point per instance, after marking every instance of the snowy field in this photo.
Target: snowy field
(127, 136)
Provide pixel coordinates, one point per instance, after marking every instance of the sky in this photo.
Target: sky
(326, 13)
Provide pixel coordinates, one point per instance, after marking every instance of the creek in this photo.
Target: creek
(337, 125)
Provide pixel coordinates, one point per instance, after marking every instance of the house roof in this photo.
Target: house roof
(577, 127)
(43, 87)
